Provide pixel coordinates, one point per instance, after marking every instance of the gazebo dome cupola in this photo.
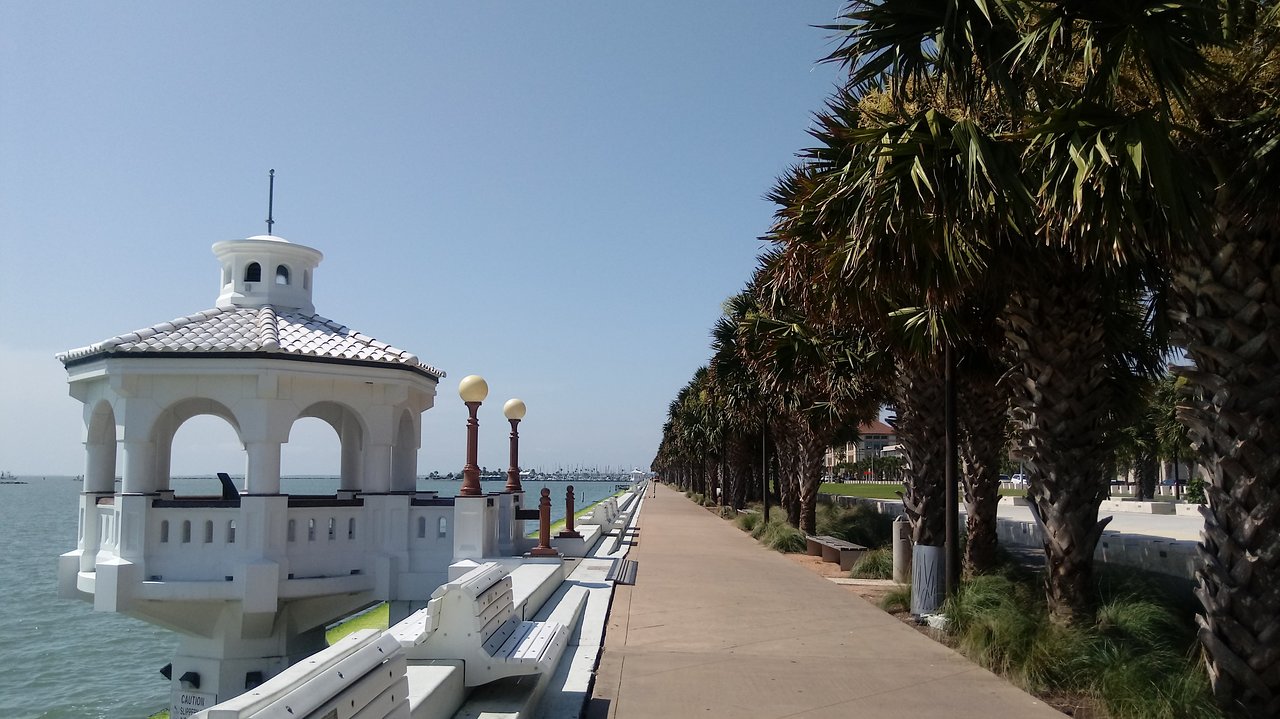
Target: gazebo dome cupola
(266, 270)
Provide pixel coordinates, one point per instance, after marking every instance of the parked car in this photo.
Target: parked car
(1019, 480)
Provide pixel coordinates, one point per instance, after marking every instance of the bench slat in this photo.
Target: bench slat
(492, 608)
(498, 622)
(534, 649)
(492, 643)
(492, 594)
(478, 623)
(474, 585)
(530, 646)
(500, 647)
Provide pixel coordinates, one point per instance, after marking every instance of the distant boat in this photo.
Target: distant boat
(7, 478)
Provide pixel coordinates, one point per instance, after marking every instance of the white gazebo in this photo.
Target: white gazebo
(250, 577)
(260, 359)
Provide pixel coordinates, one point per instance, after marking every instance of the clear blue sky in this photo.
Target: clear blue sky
(557, 196)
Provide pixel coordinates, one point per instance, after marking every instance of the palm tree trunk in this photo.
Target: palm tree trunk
(722, 481)
(715, 479)
(983, 416)
(1061, 401)
(1230, 294)
(813, 446)
(921, 430)
(740, 457)
(788, 469)
(1147, 471)
(791, 481)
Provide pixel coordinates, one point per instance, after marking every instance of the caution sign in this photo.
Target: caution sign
(186, 704)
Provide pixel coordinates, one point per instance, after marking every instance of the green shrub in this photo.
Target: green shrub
(875, 564)
(859, 524)
(1195, 490)
(727, 512)
(1003, 625)
(760, 525)
(898, 600)
(783, 537)
(1133, 660)
(747, 521)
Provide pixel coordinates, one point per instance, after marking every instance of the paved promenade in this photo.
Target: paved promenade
(1184, 527)
(718, 626)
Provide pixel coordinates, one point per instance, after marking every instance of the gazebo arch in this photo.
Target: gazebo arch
(352, 431)
(100, 449)
(168, 422)
(404, 454)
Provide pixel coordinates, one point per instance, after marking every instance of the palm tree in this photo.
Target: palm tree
(1173, 441)
(804, 271)
(691, 434)
(741, 397)
(825, 377)
(983, 409)
(999, 160)
(1152, 126)
(1137, 446)
(1226, 284)
(911, 275)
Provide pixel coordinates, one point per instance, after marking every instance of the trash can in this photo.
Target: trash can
(901, 550)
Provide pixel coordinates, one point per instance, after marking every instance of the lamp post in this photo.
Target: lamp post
(472, 389)
(513, 410)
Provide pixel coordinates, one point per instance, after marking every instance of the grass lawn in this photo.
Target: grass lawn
(376, 618)
(862, 489)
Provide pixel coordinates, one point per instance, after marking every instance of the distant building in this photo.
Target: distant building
(874, 439)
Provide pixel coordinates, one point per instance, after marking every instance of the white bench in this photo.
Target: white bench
(473, 619)
(607, 515)
(362, 674)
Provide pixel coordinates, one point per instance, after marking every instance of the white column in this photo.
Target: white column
(263, 467)
(350, 457)
(471, 530)
(139, 465)
(100, 467)
(163, 457)
(404, 468)
(99, 480)
(377, 468)
(90, 532)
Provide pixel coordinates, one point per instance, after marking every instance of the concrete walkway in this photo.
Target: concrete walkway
(718, 626)
(1184, 527)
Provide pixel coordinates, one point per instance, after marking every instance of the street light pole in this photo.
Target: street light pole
(514, 410)
(952, 562)
(764, 464)
(472, 389)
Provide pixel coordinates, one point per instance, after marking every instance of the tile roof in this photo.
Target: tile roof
(875, 427)
(235, 330)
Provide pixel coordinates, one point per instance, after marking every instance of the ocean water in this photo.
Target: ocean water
(61, 660)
